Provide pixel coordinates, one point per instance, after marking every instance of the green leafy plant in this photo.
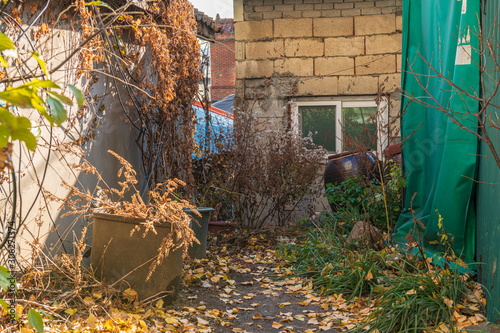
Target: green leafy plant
(378, 202)
(36, 94)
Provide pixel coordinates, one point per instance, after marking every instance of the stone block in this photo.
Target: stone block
(283, 8)
(344, 5)
(253, 16)
(385, 3)
(323, 6)
(304, 47)
(293, 27)
(358, 85)
(334, 66)
(390, 83)
(380, 44)
(272, 15)
(376, 64)
(253, 30)
(333, 26)
(331, 13)
(265, 50)
(304, 7)
(351, 12)
(311, 13)
(375, 24)
(318, 86)
(365, 4)
(273, 2)
(371, 11)
(399, 23)
(292, 2)
(239, 51)
(254, 69)
(292, 14)
(259, 9)
(294, 66)
(344, 46)
(399, 63)
(389, 10)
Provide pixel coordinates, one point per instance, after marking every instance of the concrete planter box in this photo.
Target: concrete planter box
(218, 226)
(200, 228)
(115, 254)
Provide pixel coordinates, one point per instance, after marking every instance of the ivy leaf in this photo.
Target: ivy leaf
(58, 111)
(35, 320)
(18, 97)
(9, 120)
(4, 136)
(4, 305)
(4, 279)
(61, 98)
(39, 104)
(3, 62)
(6, 43)
(25, 135)
(41, 84)
(97, 3)
(46, 314)
(19, 128)
(77, 93)
(41, 63)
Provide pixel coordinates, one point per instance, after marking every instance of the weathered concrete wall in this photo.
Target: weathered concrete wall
(103, 121)
(316, 48)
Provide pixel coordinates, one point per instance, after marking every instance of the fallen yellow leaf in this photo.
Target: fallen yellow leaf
(277, 325)
(257, 316)
(282, 305)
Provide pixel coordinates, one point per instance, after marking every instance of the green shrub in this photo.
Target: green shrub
(379, 204)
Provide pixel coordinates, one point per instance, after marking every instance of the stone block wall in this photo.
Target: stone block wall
(316, 48)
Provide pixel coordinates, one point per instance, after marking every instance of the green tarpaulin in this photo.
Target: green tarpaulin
(439, 38)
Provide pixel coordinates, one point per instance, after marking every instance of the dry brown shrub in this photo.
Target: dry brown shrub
(163, 205)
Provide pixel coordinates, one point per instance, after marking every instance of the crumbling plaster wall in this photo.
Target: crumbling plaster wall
(316, 49)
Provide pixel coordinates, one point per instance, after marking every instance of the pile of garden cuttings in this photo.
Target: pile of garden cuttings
(309, 283)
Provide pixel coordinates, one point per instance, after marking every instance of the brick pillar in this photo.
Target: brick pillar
(223, 60)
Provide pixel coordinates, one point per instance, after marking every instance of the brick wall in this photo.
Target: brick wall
(323, 48)
(223, 61)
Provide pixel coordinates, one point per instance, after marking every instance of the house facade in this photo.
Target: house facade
(321, 64)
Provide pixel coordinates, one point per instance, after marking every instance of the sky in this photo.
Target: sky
(214, 7)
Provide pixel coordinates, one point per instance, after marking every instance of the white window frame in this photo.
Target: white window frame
(382, 121)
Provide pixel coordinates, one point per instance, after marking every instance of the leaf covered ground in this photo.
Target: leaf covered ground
(242, 286)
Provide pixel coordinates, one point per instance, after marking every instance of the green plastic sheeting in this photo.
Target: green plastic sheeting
(439, 156)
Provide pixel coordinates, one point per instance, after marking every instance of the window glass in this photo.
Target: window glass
(319, 120)
(360, 127)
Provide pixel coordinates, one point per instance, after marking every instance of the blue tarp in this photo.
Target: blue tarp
(212, 133)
